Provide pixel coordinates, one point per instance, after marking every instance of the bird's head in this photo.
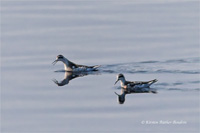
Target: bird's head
(120, 77)
(59, 58)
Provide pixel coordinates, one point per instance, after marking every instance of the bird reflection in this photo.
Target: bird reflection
(71, 75)
(125, 91)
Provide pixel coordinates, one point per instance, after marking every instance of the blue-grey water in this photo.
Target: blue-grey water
(144, 40)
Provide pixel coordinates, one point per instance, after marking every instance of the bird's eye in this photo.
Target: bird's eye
(60, 56)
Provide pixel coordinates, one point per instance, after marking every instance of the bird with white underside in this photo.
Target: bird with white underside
(73, 67)
(134, 84)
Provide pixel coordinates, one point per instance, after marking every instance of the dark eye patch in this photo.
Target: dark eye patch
(60, 56)
(120, 76)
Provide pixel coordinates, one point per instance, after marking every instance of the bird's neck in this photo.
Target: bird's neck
(123, 82)
(66, 64)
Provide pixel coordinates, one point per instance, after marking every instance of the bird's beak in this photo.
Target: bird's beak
(54, 62)
(116, 81)
(117, 94)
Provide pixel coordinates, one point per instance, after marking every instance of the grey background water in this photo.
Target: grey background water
(143, 40)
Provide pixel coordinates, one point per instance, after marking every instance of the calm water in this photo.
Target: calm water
(143, 40)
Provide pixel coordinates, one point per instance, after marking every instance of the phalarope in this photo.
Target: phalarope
(134, 84)
(70, 66)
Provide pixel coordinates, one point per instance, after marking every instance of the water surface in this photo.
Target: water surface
(144, 40)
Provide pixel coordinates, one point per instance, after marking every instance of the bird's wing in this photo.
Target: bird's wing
(81, 65)
(133, 83)
(88, 66)
(72, 64)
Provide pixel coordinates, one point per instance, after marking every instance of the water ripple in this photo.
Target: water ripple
(178, 66)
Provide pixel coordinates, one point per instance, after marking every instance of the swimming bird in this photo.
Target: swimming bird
(72, 67)
(129, 85)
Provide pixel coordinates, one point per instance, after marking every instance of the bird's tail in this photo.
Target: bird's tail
(152, 81)
(95, 67)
